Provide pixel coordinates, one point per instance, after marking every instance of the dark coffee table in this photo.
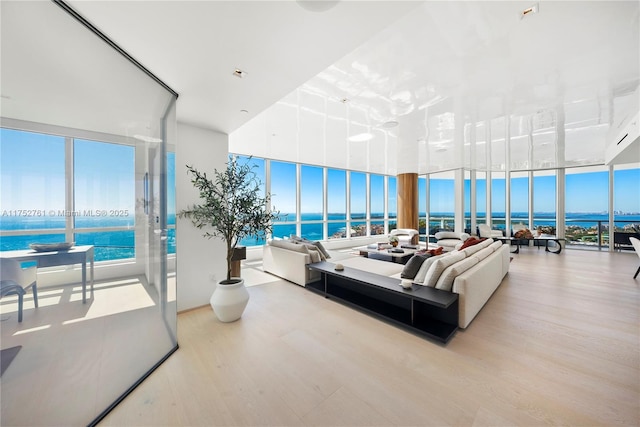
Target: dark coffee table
(427, 311)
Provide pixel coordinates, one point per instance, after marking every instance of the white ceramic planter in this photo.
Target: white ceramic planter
(229, 301)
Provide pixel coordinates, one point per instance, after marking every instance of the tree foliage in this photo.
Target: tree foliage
(231, 207)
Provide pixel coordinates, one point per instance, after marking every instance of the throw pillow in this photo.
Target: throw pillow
(437, 251)
(322, 249)
(438, 267)
(422, 273)
(412, 266)
(470, 242)
(445, 282)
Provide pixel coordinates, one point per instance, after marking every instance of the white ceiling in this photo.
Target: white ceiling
(445, 71)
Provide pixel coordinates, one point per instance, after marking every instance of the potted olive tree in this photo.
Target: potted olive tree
(232, 207)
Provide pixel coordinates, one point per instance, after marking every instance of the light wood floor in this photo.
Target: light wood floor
(557, 344)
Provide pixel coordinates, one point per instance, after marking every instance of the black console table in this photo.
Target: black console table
(427, 311)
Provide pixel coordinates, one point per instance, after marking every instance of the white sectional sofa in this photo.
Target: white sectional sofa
(476, 273)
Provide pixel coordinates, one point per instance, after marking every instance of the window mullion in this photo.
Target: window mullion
(69, 199)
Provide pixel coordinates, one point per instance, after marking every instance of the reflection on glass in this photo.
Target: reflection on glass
(109, 245)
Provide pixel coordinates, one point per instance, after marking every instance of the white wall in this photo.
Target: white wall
(198, 258)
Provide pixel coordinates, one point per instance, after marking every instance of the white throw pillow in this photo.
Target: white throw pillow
(445, 282)
(422, 273)
(439, 266)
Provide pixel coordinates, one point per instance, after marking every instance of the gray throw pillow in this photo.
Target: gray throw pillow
(413, 265)
(322, 249)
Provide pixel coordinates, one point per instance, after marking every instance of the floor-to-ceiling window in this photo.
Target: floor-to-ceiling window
(586, 206)
(358, 203)
(311, 202)
(481, 197)
(336, 203)
(626, 204)
(283, 197)
(376, 191)
(441, 202)
(422, 207)
(544, 202)
(392, 201)
(498, 200)
(520, 199)
(36, 162)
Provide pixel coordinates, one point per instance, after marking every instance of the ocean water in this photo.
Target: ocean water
(120, 244)
(109, 245)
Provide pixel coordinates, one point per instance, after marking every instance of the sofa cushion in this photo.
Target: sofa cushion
(422, 272)
(413, 265)
(439, 266)
(496, 245)
(288, 244)
(445, 282)
(324, 254)
(322, 249)
(470, 250)
(315, 254)
(483, 253)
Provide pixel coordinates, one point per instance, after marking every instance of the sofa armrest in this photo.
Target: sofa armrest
(290, 265)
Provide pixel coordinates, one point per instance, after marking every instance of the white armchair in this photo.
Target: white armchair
(15, 280)
(485, 231)
(406, 236)
(449, 239)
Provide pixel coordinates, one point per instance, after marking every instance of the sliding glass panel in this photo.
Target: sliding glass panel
(32, 171)
(336, 203)
(392, 201)
(376, 186)
(587, 214)
(481, 197)
(422, 206)
(626, 204)
(311, 202)
(544, 202)
(283, 197)
(498, 200)
(358, 195)
(520, 199)
(441, 202)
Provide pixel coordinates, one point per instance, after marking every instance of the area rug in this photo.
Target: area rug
(6, 357)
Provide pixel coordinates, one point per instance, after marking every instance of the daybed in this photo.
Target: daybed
(474, 273)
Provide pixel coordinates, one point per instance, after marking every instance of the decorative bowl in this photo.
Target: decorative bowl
(50, 247)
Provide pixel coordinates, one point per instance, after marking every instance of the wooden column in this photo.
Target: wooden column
(408, 200)
(239, 253)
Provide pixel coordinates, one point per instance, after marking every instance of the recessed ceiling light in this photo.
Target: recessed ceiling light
(239, 73)
(390, 124)
(244, 111)
(344, 100)
(361, 137)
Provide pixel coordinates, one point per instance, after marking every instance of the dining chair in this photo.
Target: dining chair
(636, 246)
(15, 280)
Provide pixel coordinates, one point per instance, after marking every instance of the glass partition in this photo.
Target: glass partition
(83, 141)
